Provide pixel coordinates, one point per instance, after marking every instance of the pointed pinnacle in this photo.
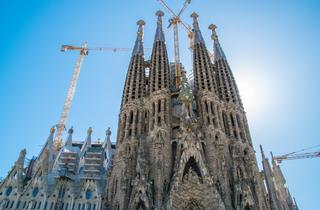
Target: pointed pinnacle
(159, 13)
(213, 28)
(262, 152)
(108, 132)
(52, 130)
(70, 131)
(141, 23)
(89, 131)
(194, 16)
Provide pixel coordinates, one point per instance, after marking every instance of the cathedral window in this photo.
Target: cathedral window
(212, 108)
(159, 106)
(131, 118)
(35, 192)
(206, 105)
(7, 204)
(88, 194)
(18, 205)
(39, 205)
(88, 206)
(9, 190)
(232, 120)
(11, 206)
(225, 124)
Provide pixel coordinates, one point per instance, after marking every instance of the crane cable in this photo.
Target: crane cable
(308, 148)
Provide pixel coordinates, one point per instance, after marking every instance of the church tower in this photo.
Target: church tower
(183, 147)
(178, 148)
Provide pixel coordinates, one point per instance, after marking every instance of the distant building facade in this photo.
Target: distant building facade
(178, 147)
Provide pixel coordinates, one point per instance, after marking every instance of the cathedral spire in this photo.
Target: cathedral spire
(159, 33)
(217, 49)
(227, 88)
(138, 46)
(271, 185)
(159, 69)
(197, 33)
(107, 143)
(135, 82)
(204, 78)
(49, 143)
(69, 138)
(88, 139)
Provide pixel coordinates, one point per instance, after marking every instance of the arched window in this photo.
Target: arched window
(88, 194)
(226, 124)
(131, 118)
(159, 106)
(35, 192)
(9, 190)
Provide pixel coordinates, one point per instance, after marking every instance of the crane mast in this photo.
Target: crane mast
(176, 53)
(73, 84)
(72, 88)
(175, 21)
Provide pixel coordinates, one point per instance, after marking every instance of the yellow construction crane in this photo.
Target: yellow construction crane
(73, 84)
(175, 21)
(301, 154)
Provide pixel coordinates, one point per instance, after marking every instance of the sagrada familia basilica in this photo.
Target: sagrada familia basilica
(179, 147)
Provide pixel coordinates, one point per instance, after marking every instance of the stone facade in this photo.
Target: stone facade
(178, 147)
(186, 147)
(74, 177)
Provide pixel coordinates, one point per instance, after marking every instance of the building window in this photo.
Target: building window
(35, 192)
(88, 194)
(11, 206)
(8, 191)
(18, 205)
(34, 205)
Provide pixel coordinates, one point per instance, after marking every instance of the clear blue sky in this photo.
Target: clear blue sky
(272, 46)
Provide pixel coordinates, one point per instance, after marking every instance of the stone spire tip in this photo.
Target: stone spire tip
(212, 27)
(141, 22)
(89, 131)
(159, 32)
(262, 152)
(194, 15)
(52, 130)
(108, 132)
(197, 34)
(159, 13)
(70, 131)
